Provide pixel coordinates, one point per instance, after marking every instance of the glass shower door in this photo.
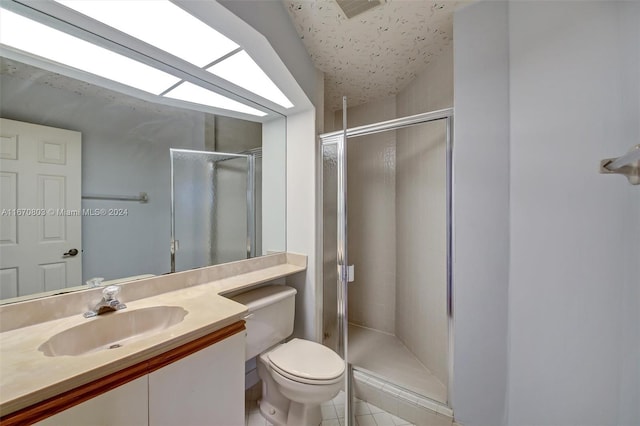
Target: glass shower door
(213, 208)
(375, 163)
(335, 263)
(329, 246)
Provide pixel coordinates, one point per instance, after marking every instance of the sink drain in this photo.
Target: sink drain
(114, 346)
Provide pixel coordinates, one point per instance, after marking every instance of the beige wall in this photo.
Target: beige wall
(431, 90)
(421, 274)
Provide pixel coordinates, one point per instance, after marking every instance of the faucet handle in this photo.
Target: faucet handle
(111, 292)
(95, 282)
(108, 302)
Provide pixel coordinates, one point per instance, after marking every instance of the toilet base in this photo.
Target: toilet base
(274, 415)
(301, 414)
(298, 414)
(273, 405)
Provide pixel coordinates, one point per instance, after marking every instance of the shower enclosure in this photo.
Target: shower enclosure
(386, 191)
(215, 205)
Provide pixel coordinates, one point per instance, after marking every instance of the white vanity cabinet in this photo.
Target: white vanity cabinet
(124, 405)
(203, 388)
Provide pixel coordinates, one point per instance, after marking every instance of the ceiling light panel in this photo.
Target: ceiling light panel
(242, 71)
(35, 38)
(161, 24)
(191, 93)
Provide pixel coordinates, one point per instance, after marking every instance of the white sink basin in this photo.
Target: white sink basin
(112, 330)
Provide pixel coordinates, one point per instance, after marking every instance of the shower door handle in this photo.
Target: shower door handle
(350, 272)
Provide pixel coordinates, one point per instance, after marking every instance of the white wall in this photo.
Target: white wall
(481, 213)
(629, 371)
(571, 72)
(301, 216)
(573, 294)
(274, 165)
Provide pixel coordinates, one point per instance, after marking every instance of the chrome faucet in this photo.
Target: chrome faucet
(108, 303)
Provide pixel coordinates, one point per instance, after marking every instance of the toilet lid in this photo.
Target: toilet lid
(307, 360)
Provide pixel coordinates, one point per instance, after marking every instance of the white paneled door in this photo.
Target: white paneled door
(40, 208)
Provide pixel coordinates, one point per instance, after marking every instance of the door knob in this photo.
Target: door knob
(71, 253)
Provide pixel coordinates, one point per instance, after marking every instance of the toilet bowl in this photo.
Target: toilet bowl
(297, 376)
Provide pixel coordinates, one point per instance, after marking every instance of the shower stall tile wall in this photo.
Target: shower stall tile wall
(372, 193)
(421, 297)
(421, 290)
(372, 237)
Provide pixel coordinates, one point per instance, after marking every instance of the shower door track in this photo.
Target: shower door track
(340, 138)
(383, 126)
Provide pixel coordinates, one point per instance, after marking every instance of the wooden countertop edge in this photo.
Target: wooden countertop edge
(56, 404)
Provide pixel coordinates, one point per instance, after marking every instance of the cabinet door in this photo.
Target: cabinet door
(125, 405)
(204, 388)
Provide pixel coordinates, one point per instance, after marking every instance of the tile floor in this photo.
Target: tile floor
(386, 356)
(333, 414)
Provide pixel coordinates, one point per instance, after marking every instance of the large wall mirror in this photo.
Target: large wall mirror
(97, 183)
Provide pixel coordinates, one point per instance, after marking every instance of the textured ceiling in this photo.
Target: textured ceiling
(374, 54)
(33, 75)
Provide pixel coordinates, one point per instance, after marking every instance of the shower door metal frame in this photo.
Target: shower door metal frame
(340, 138)
(251, 196)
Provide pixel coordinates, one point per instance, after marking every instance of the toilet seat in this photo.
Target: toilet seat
(307, 362)
(303, 380)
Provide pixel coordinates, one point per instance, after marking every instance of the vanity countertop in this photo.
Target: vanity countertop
(28, 376)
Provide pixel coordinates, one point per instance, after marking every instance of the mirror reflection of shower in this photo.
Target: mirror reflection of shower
(215, 207)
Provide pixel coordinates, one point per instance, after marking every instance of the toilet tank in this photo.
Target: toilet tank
(270, 318)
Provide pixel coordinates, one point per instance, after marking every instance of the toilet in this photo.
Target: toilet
(297, 376)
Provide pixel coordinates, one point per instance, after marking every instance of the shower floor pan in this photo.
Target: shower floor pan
(385, 356)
